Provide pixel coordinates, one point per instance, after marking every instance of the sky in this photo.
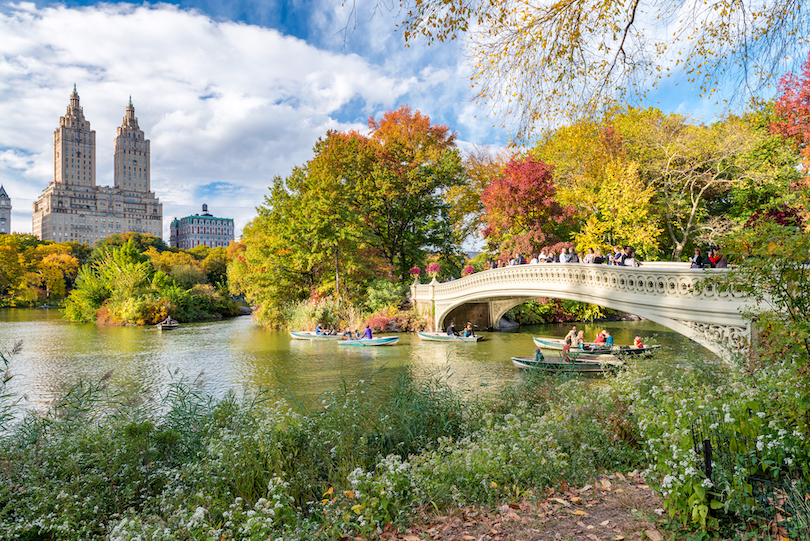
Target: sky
(230, 93)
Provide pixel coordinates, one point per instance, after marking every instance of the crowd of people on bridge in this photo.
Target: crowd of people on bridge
(624, 256)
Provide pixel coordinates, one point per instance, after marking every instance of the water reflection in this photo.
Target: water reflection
(236, 354)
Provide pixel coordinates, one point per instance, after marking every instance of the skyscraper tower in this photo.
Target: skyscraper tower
(5, 211)
(131, 171)
(73, 207)
(74, 147)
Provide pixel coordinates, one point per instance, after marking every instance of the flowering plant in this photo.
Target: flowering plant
(415, 271)
(468, 270)
(433, 269)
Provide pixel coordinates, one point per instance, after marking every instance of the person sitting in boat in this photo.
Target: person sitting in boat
(468, 330)
(582, 345)
(600, 338)
(572, 337)
(538, 355)
(637, 342)
(451, 330)
(367, 334)
(331, 332)
(319, 330)
(168, 321)
(348, 334)
(608, 339)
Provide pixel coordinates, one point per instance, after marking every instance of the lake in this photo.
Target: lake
(236, 354)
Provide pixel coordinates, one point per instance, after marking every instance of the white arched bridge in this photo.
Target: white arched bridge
(661, 292)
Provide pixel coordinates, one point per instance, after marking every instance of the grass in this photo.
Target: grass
(102, 463)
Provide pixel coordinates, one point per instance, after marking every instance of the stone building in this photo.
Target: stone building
(200, 229)
(5, 211)
(73, 207)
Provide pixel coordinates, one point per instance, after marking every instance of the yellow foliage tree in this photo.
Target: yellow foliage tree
(622, 213)
(543, 61)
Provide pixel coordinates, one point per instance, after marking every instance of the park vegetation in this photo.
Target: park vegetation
(367, 208)
(135, 279)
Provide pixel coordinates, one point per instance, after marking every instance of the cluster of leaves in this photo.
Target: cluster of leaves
(546, 310)
(33, 271)
(363, 208)
(540, 64)
(124, 286)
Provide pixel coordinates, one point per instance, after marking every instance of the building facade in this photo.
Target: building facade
(73, 207)
(200, 229)
(5, 211)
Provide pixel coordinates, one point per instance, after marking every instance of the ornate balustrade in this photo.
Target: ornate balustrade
(664, 293)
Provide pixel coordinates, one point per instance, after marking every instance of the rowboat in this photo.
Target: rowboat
(565, 364)
(557, 344)
(444, 337)
(381, 341)
(312, 335)
(167, 326)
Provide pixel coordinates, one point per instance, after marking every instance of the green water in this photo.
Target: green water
(236, 354)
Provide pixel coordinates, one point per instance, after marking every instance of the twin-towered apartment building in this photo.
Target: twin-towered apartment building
(74, 208)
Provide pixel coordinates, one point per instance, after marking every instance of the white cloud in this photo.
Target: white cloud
(221, 101)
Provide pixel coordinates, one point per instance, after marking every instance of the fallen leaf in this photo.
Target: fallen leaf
(560, 500)
(574, 499)
(580, 512)
(586, 488)
(618, 538)
(653, 535)
(620, 476)
(606, 484)
(581, 524)
(605, 523)
(468, 537)
(591, 536)
(514, 506)
(411, 538)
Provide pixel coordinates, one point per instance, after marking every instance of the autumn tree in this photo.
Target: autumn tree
(361, 208)
(792, 109)
(691, 165)
(521, 211)
(544, 61)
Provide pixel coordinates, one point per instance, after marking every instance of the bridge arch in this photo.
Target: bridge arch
(663, 293)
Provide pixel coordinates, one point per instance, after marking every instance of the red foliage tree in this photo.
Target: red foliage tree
(521, 212)
(793, 107)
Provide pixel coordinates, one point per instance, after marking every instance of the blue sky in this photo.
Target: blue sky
(230, 94)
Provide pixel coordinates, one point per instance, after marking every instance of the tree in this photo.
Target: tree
(622, 213)
(522, 214)
(361, 208)
(792, 108)
(543, 61)
(401, 202)
(689, 165)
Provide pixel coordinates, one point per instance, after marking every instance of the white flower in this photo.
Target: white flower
(707, 483)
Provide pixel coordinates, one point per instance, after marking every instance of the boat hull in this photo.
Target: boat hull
(310, 335)
(366, 342)
(561, 365)
(444, 337)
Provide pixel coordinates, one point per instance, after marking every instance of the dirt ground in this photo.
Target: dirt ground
(617, 507)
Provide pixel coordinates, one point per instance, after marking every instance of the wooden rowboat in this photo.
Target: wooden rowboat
(312, 335)
(167, 326)
(557, 344)
(558, 364)
(444, 337)
(381, 341)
